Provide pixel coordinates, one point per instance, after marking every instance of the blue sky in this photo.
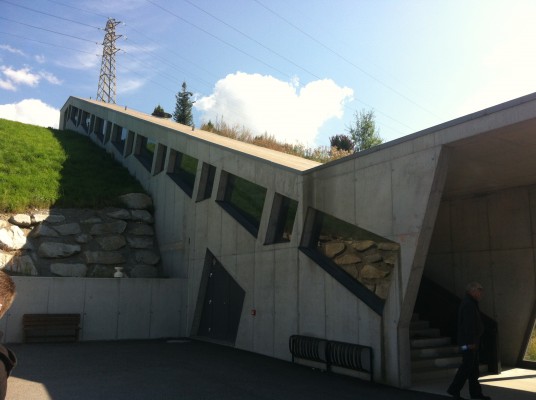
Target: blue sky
(298, 70)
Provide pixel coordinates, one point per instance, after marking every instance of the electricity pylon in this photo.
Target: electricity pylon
(107, 82)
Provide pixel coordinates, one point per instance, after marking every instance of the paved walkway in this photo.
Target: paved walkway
(176, 370)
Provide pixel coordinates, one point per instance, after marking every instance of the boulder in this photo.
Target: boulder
(108, 228)
(390, 246)
(57, 250)
(140, 229)
(22, 220)
(146, 257)
(12, 238)
(137, 201)
(68, 229)
(43, 230)
(142, 216)
(104, 257)
(112, 242)
(362, 245)
(332, 249)
(83, 238)
(350, 256)
(55, 218)
(119, 214)
(139, 242)
(72, 270)
(23, 265)
(371, 271)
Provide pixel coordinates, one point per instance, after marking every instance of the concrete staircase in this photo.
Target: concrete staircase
(432, 355)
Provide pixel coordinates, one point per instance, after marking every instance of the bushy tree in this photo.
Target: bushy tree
(183, 107)
(159, 112)
(342, 142)
(363, 131)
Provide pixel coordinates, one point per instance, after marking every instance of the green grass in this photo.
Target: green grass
(530, 355)
(44, 167)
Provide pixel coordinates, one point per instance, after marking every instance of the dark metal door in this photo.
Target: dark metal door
(222, 307)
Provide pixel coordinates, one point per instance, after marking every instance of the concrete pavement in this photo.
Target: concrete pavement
(180, 369)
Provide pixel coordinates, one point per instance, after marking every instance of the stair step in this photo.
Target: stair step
(432, 352)
(435, 373)
(419, 325)
(430, 342)
(425, 333)
(440, 362)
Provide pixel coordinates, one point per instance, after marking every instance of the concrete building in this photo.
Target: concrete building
(268, 245)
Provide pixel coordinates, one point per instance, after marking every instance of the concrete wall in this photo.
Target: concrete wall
(491, 239)
(111, 309)
(394, 190)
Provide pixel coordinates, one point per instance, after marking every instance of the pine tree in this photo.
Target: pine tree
(183, 107)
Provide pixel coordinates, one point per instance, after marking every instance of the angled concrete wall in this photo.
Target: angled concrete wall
(396, 191)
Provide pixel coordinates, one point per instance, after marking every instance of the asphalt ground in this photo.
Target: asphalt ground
(181, 369)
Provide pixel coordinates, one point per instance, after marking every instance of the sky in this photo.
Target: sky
(299, 70)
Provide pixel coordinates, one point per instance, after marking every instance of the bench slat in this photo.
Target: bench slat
(51, 327)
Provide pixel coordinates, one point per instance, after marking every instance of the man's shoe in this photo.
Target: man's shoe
(455, 396)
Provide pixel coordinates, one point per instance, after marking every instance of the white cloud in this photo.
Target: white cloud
(50, 78)
(130, 85)
(21, 76)
(283, 109)
(24, 76)
(10, 49)
(31, 111)
(40, 58)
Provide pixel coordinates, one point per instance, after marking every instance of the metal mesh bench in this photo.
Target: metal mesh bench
(332, 355)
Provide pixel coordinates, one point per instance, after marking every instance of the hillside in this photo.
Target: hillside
(45, 168)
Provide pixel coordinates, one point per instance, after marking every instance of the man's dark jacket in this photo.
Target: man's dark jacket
(470, 325)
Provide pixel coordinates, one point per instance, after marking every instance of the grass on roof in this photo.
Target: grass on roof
(45, 168)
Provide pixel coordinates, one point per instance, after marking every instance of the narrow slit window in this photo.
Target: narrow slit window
(183, 170)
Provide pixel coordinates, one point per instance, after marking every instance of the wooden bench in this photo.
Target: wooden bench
(51, 327)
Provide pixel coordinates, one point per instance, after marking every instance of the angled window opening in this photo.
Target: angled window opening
(160, 161)
(243, 200)
(99, 129)
(119, 136)
(281, 219)
(528, 359)
(79, 117)
(86, 120)
(129, 143)
(206, 182)
(108, 132)
(74, 115)
(91, 123)
(144, 151)
(360, 260)
(182, 169)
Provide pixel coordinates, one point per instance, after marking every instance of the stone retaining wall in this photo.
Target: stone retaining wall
(82, 242)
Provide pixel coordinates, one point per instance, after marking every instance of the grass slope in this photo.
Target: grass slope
(44, 167)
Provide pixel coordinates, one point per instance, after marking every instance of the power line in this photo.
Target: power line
(217, 38)
(50, 15)
(49, 44)
(286, 59)
(344, 58)
(79, 9)
(49, 30)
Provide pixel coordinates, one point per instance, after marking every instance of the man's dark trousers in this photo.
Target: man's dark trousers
(468, 371)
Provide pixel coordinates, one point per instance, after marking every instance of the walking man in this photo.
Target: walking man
(470, 329)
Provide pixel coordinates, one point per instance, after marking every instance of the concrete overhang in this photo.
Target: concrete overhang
(493, 160)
